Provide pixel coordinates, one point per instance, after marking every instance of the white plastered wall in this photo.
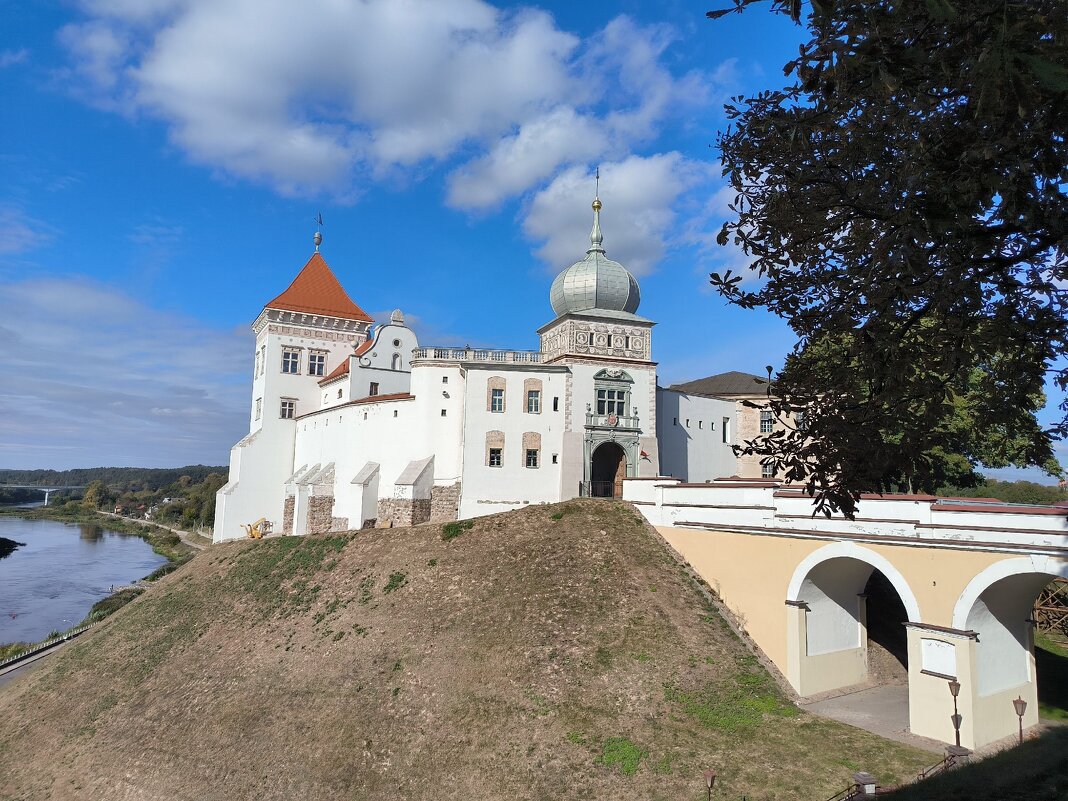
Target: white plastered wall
(690, 434)
(486, 489)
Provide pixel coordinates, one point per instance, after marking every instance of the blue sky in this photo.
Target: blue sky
(162, 162)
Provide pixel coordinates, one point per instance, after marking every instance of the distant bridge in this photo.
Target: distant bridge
(46, 490)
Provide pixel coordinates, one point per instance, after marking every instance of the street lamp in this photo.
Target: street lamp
(710, 779)
(954, 690)
(1021, 706)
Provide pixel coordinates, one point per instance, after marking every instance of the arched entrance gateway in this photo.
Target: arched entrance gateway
(608, 468)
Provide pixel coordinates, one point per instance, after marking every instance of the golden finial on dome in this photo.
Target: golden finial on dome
(596, 204)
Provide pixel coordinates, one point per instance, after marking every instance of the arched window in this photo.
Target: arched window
(397, 363)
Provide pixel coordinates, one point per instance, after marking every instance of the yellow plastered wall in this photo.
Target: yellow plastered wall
(752, 572)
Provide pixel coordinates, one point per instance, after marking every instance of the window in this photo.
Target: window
(317, 363)
(339, 393)
(256, 369)
(396, 365)
(556, 458)
(259, 408)
(394, 412)
(289, 409)
(674, 421)
(495, 457)
(556, 404)
(396, 343)
(373, 390)
(799, 421)
(611, 401)
(726, 429)
(534, 402)
(444, 379)
(496, 400)
(608, 340)
(700, 423)
(442, 412)
(767, 422)
(767, 471)
(290, 360)
(532, 458)
(687, 422)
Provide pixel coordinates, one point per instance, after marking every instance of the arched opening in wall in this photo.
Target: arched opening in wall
(1007, 661)
(854, 630)
(608, 468)
(888, 653)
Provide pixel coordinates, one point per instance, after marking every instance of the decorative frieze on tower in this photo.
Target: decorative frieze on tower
(607, 339)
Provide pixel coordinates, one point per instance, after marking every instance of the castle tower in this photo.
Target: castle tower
(301, 336)
(610, 423)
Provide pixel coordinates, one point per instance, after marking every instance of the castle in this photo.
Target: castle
(354, 425)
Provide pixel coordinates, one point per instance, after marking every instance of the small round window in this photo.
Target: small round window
(396, 343)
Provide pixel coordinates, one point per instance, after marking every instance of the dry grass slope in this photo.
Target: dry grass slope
(553, 653)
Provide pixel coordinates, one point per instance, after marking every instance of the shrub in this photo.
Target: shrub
(455, 529)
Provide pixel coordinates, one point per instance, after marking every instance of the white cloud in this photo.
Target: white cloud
(113, 380)
(311, 97)
(11, 57)
(20, 232)
(641, 196)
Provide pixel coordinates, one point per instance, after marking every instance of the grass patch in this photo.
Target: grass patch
(275, 573)
(737, 706)
(622, 753)
(396, 581)
(1051, 662)
(454, 529)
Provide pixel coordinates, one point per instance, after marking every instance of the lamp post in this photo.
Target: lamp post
(1020, 705)
(710, 779)
(954, 690)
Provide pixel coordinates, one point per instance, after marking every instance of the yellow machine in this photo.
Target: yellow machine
(256, 530)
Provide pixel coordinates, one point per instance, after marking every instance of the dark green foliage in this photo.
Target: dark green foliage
(106, 606)
(1009, 491)
(456, 528)
(396, 581)
(902, 201)
(167, 569)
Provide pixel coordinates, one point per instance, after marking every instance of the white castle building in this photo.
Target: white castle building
(354, 424)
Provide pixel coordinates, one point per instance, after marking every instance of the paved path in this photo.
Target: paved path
(881, 710)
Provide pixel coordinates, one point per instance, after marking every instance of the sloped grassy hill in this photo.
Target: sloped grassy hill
(553, 653)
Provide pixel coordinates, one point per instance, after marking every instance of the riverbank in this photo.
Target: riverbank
(166, 542)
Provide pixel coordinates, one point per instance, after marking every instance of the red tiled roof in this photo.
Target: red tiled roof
(340, 370)
(364, 347)
(316, 290)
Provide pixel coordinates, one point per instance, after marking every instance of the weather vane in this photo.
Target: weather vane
(318, 238)
(597, 179)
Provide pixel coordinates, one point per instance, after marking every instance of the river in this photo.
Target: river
(51, 583)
